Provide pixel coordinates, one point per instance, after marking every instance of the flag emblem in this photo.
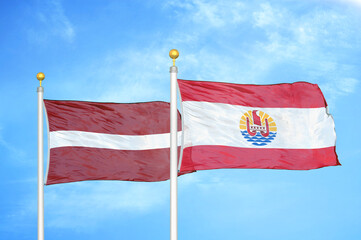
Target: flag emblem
(258, 128)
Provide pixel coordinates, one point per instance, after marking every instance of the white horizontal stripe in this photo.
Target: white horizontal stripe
(218, 124)
(110, 141)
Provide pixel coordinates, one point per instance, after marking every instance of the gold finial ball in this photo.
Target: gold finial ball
(40, 76)
(173, 53)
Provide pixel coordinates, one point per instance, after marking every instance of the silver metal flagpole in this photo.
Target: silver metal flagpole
(173, 148)
(40, 76)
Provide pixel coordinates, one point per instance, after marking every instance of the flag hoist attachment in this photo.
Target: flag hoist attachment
(173, 147)
(40, 76)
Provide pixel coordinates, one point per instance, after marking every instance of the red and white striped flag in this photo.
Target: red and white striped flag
(108, 141)
(281, 126)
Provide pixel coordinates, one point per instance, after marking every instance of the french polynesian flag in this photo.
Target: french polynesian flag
(108, 141)
(281, 126)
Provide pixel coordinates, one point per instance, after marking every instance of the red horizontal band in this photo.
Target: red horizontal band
(112, 118)
(295, 95)
(72, 164)
(216, 157)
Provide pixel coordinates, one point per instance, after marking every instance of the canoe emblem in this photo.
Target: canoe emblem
(258, 127)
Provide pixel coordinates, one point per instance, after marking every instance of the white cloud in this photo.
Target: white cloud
(52, 22)
(303, 40)
(267, 16)
(85, 204)
(13, 151)
(338, 87)
(123, 75)
(313, 43)
(347, 85)
(356, 3)
(135, 75)
(225, 186)
(211, 13)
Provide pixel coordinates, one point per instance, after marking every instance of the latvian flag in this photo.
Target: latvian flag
(281, 126)
(108, 141)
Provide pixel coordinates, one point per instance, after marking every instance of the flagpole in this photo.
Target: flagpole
(40, 76)
(173, 148)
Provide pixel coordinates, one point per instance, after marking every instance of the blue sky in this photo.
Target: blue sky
(118, 51)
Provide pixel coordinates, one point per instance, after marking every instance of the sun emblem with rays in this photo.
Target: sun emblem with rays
(258, 127)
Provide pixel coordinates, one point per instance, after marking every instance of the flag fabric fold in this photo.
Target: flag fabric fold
(108, 141)
(281, 126)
